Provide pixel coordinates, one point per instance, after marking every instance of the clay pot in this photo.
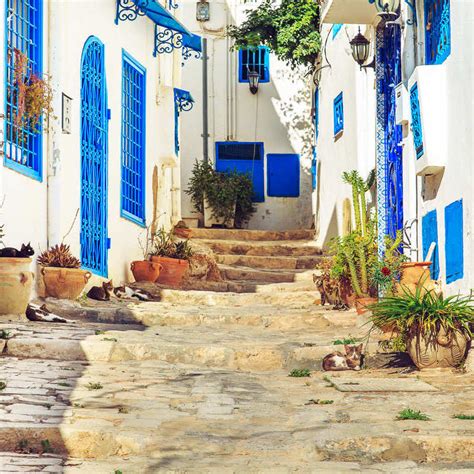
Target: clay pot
(16, 281)
(173, 271)
(415, 273)
(362, 303)
(144, 270)
(64, 283)
(184, 233)
(440, 351)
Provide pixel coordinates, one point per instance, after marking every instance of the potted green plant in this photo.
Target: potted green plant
(436, 329)
(224, 199)
(62, 274)
(173, 256)
(16, 279)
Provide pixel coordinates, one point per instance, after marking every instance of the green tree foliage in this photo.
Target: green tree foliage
(290, 29)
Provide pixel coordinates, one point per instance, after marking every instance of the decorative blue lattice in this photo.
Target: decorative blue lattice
(416, 127)
(183, 102)
(338, 114)
(133, 139)
(94, 150)
(24, 37)
(189, 53)
(167, 40)
(254, 59)
(437, 31)
(172, 4)
(130, 10)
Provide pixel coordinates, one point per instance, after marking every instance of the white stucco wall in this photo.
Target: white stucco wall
(278, 115)
(26, 212)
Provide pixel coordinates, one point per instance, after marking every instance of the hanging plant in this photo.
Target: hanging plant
(34, 95)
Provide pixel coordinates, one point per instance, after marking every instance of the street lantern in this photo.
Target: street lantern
(360, 46)
(388, 9)
(254, 79)
(203, 11)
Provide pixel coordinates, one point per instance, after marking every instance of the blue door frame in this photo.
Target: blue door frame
(94, 150)
(389, 134)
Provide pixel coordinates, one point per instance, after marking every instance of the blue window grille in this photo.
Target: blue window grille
(338, 115)
(24, 38)
(437, 31)
(254, 59)
(94, 151)
(283, 175)
(133, 139)
(243, 157)
(429, 235)
(336, 29)
(417, 129)
(454, 241)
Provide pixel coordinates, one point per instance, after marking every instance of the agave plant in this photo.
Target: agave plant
(59, 256)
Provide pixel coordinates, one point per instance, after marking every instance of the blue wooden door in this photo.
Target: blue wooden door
(94, 144)
(393, 132)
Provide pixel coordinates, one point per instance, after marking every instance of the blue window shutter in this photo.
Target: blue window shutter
(416, 121)
(338, 114)
(454, 241)
(254, 59)
(23, 33)
(429, 234)
(283, 175)
(437, 31)
(243, 157)
(133, 139)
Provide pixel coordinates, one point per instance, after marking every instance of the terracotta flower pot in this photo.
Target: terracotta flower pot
(415, 273)
(173, 271)
(144, 270)
(362, 303)
(183, 232)
(64, 283)
(439, 351)
(16, 281)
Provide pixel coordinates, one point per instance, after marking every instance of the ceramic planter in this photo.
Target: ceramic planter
(145, 270)
(64, 283)
(16, 282)
(362, 303)
(210, 220)
(173, 271)
(414, 273)
(439, 351)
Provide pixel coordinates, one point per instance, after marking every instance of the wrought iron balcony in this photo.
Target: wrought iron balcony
(358, 12)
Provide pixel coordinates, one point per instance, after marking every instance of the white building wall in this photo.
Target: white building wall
(278, 115)
(44, 212)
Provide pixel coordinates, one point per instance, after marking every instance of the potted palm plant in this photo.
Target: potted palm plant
(62, 274)
(436, 329)
(173, 256)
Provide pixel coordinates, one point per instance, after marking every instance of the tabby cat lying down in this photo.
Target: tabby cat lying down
(108, 291)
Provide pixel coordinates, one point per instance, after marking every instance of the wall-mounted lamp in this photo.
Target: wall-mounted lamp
(360, 46)
(388, 9)
(254, 79)
(203, 12)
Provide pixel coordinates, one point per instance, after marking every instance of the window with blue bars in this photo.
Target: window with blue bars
(254, 59)
(24, 45)
(416, 121)
(133, 139)
(336, 29)
(338, 115)
(437, 31)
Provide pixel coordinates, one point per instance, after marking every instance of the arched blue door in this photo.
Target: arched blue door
(94, 144)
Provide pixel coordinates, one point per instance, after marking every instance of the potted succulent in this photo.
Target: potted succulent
(224, 199)
(63, 278)
(16, 279)
(173, 255)
(436, 329)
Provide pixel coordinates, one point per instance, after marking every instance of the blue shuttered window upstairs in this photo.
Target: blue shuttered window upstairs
(257, 59)
(338, 115)
(133, 140)
(24, 38)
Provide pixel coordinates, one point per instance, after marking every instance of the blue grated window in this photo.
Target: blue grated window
(336, 29)
(133, 139)
(256, 59)
(417, 129)
(429, 235)
(437, 31)
(24, 38)
(454, 241)
(338, 115)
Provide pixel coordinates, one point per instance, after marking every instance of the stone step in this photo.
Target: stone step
(263, 248)
(259, 235)
(265, 275)
(267, 262)
(249, 286)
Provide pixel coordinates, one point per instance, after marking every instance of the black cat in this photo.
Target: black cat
(26, 251)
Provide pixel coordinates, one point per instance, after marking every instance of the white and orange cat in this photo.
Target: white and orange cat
(351, 360)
